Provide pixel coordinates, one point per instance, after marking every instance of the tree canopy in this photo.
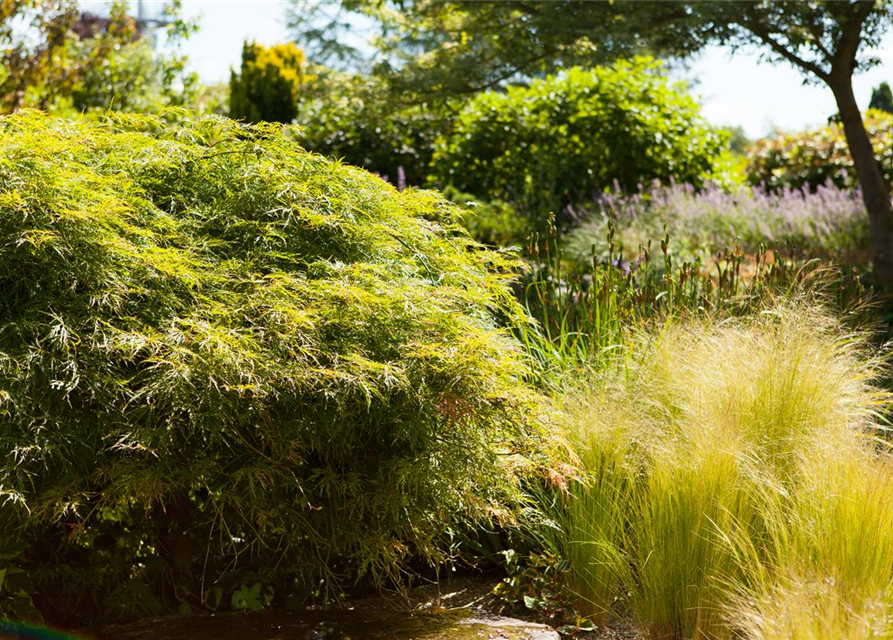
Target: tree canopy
(37, 38)
(53, 53)
(461, 46)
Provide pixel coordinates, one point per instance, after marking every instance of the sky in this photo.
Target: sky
(734, 89)
(740, 89)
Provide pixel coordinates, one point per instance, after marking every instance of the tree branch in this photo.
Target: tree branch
(852, 37)
(763, 34)
(531, 11)
(817, 33)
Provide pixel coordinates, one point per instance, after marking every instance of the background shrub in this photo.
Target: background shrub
(493, 223)
(136, 79)
(268, 85)
(813, 158)
(358, 119)
(91, 62)
(224, 359)
(881, 98)
(570, 136)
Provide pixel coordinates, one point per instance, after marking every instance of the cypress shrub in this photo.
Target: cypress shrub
(267, 88)
(222, 356)
(881, 98)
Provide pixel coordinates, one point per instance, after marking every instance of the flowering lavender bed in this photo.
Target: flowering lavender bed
(827, 221)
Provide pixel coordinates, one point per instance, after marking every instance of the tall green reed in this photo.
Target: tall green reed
(583, 317)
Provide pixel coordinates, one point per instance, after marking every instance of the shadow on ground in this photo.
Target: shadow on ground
(333, 625)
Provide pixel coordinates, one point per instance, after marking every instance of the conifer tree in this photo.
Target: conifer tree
(268, 86)
(882, 98)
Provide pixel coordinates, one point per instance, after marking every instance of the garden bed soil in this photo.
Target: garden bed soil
(462, 609)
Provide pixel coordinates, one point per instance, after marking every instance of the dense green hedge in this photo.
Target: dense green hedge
(571, 136)
(224, 359)
(813, 158)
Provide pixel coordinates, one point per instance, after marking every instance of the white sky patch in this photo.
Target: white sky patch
(739, 88)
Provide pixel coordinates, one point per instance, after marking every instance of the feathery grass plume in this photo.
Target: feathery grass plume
(725, 429)
(593, 514)
(226, 352)
(827, 571)
(812, 608)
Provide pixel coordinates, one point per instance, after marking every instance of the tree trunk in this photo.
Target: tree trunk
(875, 192)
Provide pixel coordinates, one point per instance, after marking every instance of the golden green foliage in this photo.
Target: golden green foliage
(202, 323)
(268, 86)
(827, 574)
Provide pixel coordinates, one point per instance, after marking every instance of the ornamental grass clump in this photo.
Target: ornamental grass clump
(221, 354)
(828, 571)
(735, 482)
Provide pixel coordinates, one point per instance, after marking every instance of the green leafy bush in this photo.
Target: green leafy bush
(135, 78)
(570, 136)
(269, 84)
(813, 158)
(538, 584)
(220, 353)
(110, 63)
(357, 118)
